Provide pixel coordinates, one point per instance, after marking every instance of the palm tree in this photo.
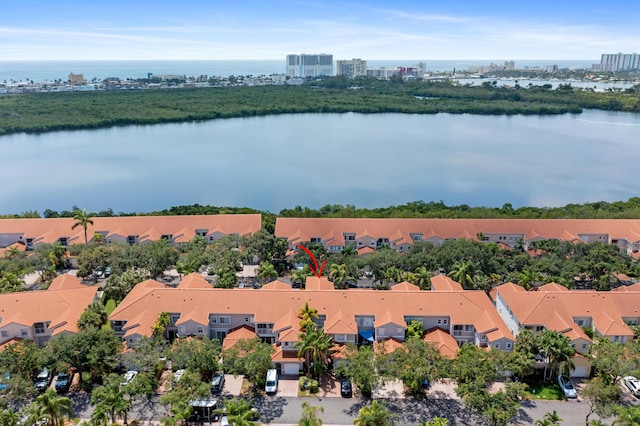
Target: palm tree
(309, 416)
(423, 278)
(558, 350)
(300, 275)
(393, 274)
(550, 419)
(83, 219)
(94, 316)
(161, 324)
(463, 272)
(306, 315)
(110, 401)
(267, 272)
(53, 407)
(374, 415)
(9, 418)
(339, 274)
(315, 346)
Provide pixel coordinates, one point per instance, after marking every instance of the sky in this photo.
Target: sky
(367, 29)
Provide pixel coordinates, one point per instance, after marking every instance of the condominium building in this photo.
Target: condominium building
(351, 68)
(309, 65)
(618, 62)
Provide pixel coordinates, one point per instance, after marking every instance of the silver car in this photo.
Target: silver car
(567, 387)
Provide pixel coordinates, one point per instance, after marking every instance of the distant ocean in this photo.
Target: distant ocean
(42, 71)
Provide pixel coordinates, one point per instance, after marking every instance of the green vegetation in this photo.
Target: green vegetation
(44, 112)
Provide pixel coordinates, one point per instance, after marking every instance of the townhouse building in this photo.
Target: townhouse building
(349, 316)
(42, 314)
(367, 234)
(30, 233)
(570, 312)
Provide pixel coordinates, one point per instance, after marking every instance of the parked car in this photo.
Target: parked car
(129, 376)
(224, 421)
(567, 387)
(178, 375)
(107, 272)
(4, 380)
(63, 382)
(42, 380)
(345, 388)
(217, 382)
(633, 384)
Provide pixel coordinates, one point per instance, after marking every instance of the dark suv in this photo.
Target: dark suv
(63, 382)
(217, 382)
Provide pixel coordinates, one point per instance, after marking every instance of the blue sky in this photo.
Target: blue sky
(248, 29)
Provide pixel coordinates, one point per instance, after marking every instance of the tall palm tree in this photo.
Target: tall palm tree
(9, 418)
(463, 272)
(309, 416)
(423, 278)
(374, 415)
(339, 274)
(110, 400)
(161, 324)
(83, 219)
(300, 275)
(53, 407)
(267, 272)
(307, 315)
(558, 350)
(315, 346)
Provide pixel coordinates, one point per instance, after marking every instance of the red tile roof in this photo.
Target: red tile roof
(444, 342)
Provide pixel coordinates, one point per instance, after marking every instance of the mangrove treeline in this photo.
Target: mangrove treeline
(43, 112)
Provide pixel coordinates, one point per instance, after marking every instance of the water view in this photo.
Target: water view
(277, 162)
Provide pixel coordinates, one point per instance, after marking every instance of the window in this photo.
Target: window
(167, 237)
(496, 345)
(458, 327)
(483, 338)
(39, 326)
(584, 346)
(317, 240)
(580, 323)
(225, 320)
(4, 333)
(63, 241)
(220, 335)
(439, 321)
(509, 345)
(468, 328)
(23, 332)
(202, 232)
(213, 320)
(340, 337)
(539, 327)
(132, 239)
(200, 330)
(445, 321)
(175, 318)
(117, 325)
(416, 237)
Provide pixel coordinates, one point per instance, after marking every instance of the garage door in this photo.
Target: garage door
(579, 372)
(290, 369)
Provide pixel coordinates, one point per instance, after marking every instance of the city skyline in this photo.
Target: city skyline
(198, 29)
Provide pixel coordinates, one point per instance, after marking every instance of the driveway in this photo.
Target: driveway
(232, 385)
(329, 386)
(391, 389)
(443, 389)
(288, 386)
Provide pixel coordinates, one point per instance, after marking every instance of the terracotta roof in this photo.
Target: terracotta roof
(340, 323)
(462, 307)
(405, 286)
(66, 281)
(444, 283)
(632, 287)
(62, 305)
(276, 285)
(552, 287)
(314, 283)
(557, 309)
(147, 228)
(194, 280)
(339, 351)
(444, 342)
(9, 342)
(365, 250)
(285, 356)
(243, 332)
(387, 346)
(561, 229)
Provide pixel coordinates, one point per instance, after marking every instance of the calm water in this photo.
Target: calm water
(41, 71)
(278, 162)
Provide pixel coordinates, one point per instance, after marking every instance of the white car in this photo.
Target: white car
(129, 376)
(224, 421)
(178, 375)
(567, 387)
(633, 384)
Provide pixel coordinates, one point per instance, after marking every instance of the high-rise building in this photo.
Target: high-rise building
(618, 62)
(305, 65)
(351, 68)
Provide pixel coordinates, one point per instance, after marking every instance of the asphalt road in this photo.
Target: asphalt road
(342, 411)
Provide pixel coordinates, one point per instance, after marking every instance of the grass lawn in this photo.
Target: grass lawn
(109, 307)
(544, 391)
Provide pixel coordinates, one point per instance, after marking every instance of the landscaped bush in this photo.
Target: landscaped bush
(307, 384)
